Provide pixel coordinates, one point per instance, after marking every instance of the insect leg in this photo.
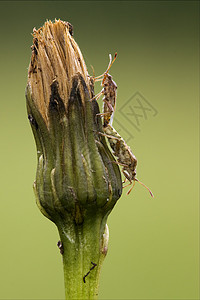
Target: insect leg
(109, 136)
(102, 114)
(96, 96)
(120, 164)
(125, 180)
(128, 184)
(131, 188)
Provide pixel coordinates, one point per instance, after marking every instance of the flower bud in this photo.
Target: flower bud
(76, 171)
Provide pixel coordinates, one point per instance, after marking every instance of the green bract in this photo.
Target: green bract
(76, 170)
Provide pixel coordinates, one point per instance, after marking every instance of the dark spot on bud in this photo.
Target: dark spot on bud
(33, 121)
(70, 28)
(75, 97)
(55, 102)
(35, 46)
(33, 68)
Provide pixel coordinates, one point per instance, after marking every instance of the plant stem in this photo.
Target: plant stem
(83, 256)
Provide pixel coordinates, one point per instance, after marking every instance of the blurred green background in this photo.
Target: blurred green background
(153, 248)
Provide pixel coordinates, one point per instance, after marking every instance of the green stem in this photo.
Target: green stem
(83, 256)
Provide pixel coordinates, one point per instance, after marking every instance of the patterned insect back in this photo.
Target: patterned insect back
(109, 99)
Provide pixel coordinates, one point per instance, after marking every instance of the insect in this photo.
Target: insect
(109, 91)
(60, 247)
(93, 266)
(121, 150)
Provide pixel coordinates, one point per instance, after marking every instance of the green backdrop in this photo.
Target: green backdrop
(153, 248)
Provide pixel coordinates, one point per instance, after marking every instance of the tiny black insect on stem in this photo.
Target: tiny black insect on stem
(94, 265)
(60, 246)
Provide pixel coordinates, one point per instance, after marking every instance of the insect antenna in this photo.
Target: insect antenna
(145, 187)
(111, 61)
(92, 70)
(109, 66)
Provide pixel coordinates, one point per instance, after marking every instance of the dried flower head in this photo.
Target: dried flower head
(55, 57)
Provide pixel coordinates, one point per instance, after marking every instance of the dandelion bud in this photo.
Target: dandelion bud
(77, 181)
